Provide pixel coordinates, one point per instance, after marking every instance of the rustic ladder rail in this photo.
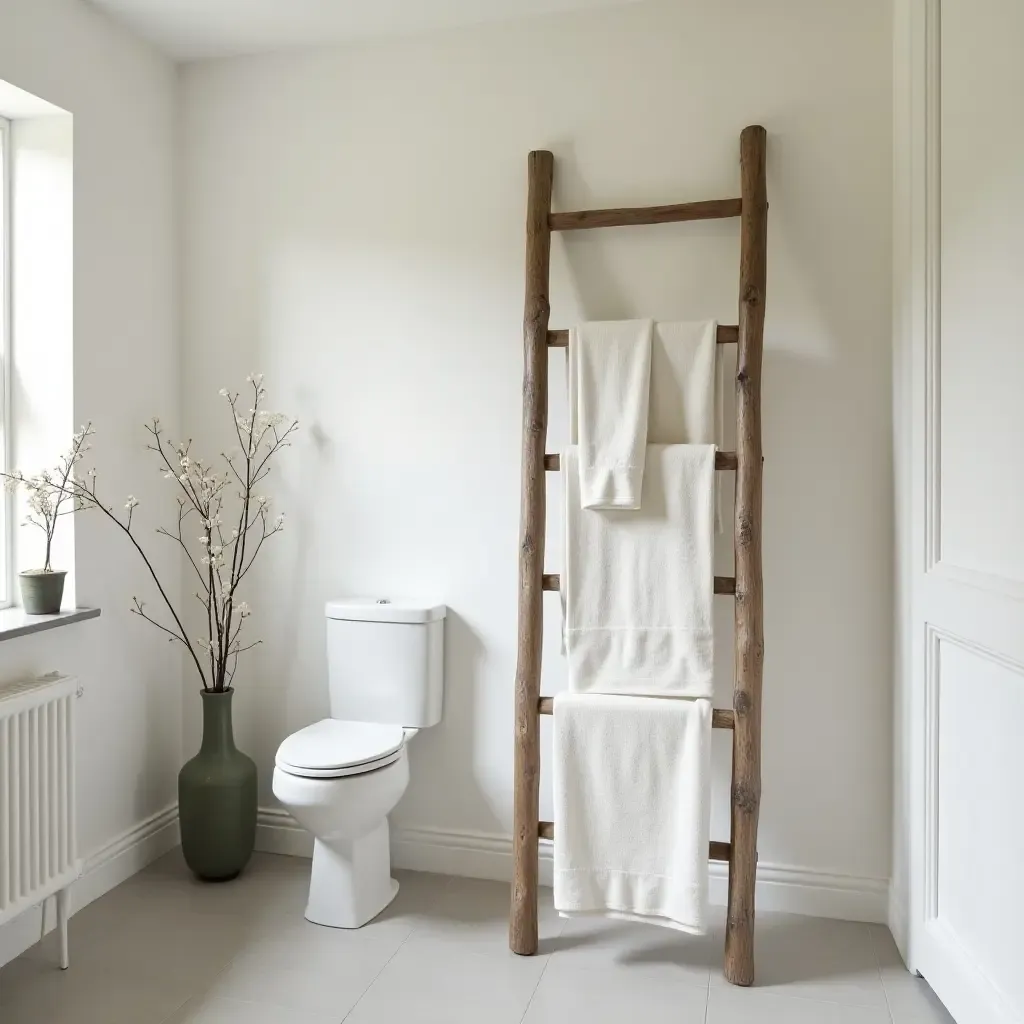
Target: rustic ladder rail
(745, 717)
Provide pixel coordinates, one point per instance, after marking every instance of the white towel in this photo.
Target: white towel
(637, 586)
(611, 363)
(682, 403)
(688, 389)
(687, 393)
(631, 784)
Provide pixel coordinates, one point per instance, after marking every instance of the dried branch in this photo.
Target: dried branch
(225, 559)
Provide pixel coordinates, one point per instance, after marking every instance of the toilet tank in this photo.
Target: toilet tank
(385, 661)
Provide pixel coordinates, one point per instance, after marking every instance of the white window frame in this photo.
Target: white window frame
(7, 502)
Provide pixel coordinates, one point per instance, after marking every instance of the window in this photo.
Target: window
(7, 502)
(36, 321)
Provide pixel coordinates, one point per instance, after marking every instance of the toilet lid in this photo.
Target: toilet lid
(333, 747)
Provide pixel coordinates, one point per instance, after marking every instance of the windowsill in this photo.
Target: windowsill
(15, 622)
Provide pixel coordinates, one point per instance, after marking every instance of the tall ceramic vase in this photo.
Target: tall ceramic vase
(217, 798)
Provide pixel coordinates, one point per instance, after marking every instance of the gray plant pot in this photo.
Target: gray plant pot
(217, 796)
(42, 592)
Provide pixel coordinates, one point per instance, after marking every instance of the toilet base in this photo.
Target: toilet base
(351, 880)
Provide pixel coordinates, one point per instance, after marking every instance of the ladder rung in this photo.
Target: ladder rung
(727, 335)
(723, 460)
(716, 851)
(723, 584)
(709, 209)
(721, 718)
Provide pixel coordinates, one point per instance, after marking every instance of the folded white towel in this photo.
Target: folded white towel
(611, 370)
(682, 403)
(637, 586)
(687, 392)
(631, 784)
(688, 389)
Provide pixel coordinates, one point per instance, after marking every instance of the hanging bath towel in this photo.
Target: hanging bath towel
(637, 586)
(631, 784)
(612, 378)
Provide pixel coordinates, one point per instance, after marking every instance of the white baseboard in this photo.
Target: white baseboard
(780, 887)
(107, 867)
(808, 891)
(278, 832)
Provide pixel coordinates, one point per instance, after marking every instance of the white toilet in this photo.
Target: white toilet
(341, 777)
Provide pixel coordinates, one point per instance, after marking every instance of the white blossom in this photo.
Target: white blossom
(222, 499)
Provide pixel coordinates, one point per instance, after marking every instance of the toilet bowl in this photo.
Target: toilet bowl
(340, 780)
(341, 777)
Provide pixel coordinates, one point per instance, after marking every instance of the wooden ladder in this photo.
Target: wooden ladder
(745, 717)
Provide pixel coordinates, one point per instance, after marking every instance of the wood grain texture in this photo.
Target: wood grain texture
(721, 718)
(716, 851)
(723, 461)
(723, 584)
(710, 209)
(522, 937)
(727, 335)
(746, 757)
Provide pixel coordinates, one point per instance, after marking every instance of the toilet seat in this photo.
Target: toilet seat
(332, 749)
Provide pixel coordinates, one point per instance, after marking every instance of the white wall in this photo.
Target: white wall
(353, 227)
(121, 95)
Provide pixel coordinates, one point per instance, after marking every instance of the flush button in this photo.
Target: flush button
(383, 600)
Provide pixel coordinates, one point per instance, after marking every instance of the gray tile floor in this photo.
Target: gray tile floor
(163, 949)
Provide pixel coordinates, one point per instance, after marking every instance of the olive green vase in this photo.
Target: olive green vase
(217, 798)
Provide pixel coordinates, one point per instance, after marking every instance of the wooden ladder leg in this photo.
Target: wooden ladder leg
(746, 749)
(522, 937)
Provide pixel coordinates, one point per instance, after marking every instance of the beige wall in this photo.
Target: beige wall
(122, 97)
(353, 227)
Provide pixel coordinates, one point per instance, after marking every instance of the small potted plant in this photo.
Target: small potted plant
(51, 494)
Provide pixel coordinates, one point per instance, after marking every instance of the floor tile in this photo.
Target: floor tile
(449, 983)
(814, 958)
(473, 910)
(211, 1010)
(730, 1005)
(910, 998)
(165, 921)
(601, 944)
(615, 994)
(32, 992)
(166, 949)
(269, 885)
(418, 899)
(308, 967)
(887, 953)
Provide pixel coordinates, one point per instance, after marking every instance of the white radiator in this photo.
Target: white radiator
(37, 796)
